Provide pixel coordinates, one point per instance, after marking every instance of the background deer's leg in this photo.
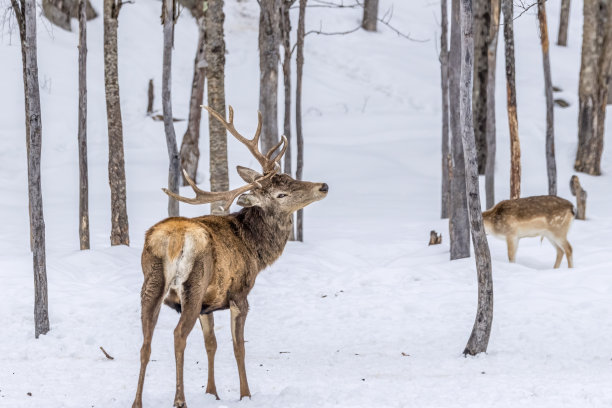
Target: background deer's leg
(239, 310)
(568, 252)
(512, 242)
(559, 254)
(190, 310)
(210, 341)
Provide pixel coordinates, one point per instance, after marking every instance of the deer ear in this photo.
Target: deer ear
(247, 174)
(248, 200)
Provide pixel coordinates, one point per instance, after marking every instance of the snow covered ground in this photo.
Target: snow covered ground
(363, 313)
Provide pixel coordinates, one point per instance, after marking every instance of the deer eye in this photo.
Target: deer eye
(281, 195)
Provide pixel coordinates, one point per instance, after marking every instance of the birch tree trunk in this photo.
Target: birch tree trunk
(551, 166)
(370, 15)
(298, 109)
(82, 137)
(459, 223)
(482, 22)
(515, 147)
(446, 159)
(215, 56)
(479, 339)
(116, 165)
(286, 40)
(269, 40)
(491, 133)
(563, 23)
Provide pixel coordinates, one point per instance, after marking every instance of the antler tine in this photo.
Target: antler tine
(273, 162)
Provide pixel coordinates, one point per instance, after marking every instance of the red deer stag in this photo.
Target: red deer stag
(209, 263)
(545, 216)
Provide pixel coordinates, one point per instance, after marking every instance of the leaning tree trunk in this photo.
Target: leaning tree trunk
(116, 165)
(482, 22)
(563, 23)
(215, 56)
(551, 166)
(491, 136)
(25, 12)
(459, 223)
(370, 15)
(82, 138)
(479, 339)
(446, 160)
(190, 150)
(515, 146)
(298, 110)
(174, 168)
(269, 40)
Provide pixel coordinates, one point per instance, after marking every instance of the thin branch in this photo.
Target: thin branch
(106, 354)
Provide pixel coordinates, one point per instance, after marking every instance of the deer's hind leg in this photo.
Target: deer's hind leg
(207, 322)
(512, 242)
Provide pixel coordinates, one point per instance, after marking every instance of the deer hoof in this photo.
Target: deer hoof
(180, 405)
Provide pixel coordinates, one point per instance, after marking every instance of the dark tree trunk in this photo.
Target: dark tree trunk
(286, 40)
(491, 136)
(269, 40)
(459, 223)
(446, 159)
(515, 146)
(82, 138)
(479, 339)
(563, 23)
(370, 15)
(150, 98)
(482, 23)
(551, 166)
(298, 110)
(116, 165)
(190, 150)
(215, 56)
(25, 11)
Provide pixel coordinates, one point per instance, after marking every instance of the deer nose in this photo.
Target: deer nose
(324, 188)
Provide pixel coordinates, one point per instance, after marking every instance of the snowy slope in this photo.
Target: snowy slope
(331, 321)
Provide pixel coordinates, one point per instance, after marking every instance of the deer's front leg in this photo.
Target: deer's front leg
(210, 341)
(239, 310)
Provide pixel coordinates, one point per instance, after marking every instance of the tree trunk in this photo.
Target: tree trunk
(551, 166)
(482, 23)
(446, 160)
(298, 110)
(190, 150)
(269, 40)
(479, 339)
(82, 138)
(563, 23)
(150, 98)
(581, 196)
(286, 40)
(215, 56)
(459, 223)
(491, 136)
(370, 15)
(116, 165)
(515, 147)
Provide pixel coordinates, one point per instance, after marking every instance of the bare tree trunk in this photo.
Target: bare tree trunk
(491, 136)
(479, 339)
(551, 166)
(482, 23)
(190, 150)
(286, 40)
(174, 170)
(82, 138)
(150, 98)
(215, 56)
(459, 223)
(298, 110)
(563, 23)
(370, 15)
(25, 11)
(446, 159)
(515, 146)
(116, 166)
(269, 40)
(581, 196)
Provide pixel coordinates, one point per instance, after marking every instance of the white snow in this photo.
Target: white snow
(363, 313)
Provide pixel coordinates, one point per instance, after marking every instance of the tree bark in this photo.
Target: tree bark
(515, 147)
(215, 56)
(150, 98)
(370, 15)
(269, 40)
(446, 159)
(459, 227)
(482, 23)
(82, 137)
(479, 339)
(563, 23)
(551, 166)
(298, 109)
(581, 197)
(490, 126)
(190, 150)
(286, 41)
